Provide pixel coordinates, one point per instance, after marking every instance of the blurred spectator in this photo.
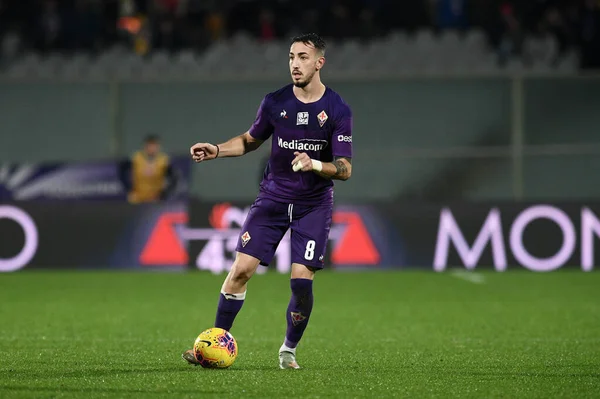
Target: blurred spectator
(341, 25)
(509, 39)
(148, 175)
(266, 21)
(10, 45)
(451, 14)
(555, 24)
(83, 25)
(165, 36)
(50, 30)
(10, 40)
(215, 25)
(367, 25)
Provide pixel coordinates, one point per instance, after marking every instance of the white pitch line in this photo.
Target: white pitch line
(471, 277)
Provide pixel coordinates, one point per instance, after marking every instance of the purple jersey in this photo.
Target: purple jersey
(322, 129)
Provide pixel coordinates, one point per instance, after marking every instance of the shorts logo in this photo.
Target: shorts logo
(245, 238)
(297, 318)
(321, 258)
(344, 139)
(322, 117)
(302, 118)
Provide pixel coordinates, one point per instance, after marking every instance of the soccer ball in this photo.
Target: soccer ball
(215, 348)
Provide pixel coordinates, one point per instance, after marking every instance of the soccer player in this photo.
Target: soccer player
(311, 130)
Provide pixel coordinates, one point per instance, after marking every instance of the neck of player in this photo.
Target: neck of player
(312, 92)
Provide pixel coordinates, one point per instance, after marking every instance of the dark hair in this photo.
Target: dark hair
(311, 38)
(151, 139)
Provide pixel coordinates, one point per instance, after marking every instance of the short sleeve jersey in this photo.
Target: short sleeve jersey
(322, 129)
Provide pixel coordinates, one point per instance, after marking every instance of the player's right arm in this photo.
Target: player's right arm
(235, 147)
(260, 131)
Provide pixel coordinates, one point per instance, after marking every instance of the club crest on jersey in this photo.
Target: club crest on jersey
(297, 318)
(245, 238)
(302, 118)
(322, 117)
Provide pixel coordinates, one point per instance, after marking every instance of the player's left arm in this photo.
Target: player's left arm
(339, 169)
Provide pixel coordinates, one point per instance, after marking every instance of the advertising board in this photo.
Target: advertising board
(88, 235)
(203, 236)
(536, 237)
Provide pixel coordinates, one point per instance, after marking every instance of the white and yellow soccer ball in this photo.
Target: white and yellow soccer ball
(215, 348)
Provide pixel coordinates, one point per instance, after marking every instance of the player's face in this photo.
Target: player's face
(305, 61)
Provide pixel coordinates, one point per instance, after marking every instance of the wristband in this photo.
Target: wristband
(317, 165)
(218, 150)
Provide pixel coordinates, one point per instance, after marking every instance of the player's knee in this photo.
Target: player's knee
(242, 269)
(302, 271)
(240, 274)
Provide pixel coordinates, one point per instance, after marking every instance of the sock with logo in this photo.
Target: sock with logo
(298, 311)
(229, 306)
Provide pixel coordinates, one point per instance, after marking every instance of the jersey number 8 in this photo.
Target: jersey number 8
(309, 254)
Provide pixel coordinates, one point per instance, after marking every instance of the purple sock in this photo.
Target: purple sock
(229, 307)
(298, 311)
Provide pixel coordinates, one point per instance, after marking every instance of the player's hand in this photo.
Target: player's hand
(302, 162)
(203, 152)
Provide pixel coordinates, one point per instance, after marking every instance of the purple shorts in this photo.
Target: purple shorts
(269, 220)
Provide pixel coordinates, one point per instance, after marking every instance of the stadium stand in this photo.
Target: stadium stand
(188, 38)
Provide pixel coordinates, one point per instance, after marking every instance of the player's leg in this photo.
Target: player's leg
(300, 305)
(232, 296)
(310, 232)
(298, 313)
(233, 291)
(261, 233)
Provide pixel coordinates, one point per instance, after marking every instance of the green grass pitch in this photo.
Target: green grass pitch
(379, 334)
